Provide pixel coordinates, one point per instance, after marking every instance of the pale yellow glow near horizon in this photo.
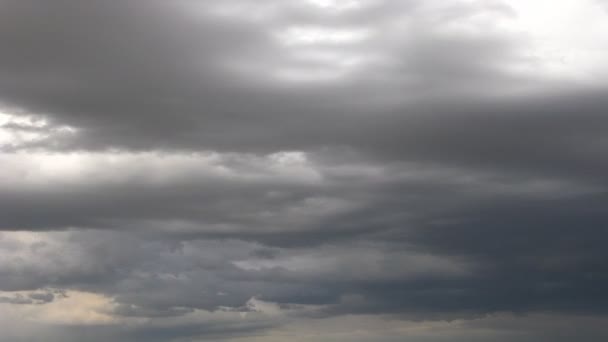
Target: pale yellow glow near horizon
(78, 308)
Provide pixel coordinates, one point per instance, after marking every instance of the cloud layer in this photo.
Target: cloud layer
(313, 170)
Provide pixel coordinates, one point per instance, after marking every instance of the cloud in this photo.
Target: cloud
(242, 171)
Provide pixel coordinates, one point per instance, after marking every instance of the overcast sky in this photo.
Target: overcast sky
(303, 170)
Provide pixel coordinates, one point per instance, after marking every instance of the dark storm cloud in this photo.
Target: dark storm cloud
(149, 75)
(134, 76)
(273, 162)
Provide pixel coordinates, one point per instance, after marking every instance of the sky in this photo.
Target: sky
(303, 170)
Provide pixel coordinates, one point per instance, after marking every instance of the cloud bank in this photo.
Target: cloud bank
(308, 170)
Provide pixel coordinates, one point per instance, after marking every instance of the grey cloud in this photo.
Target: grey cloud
(156, 331)
(31, 298)
(18, 299)
(149, 77)
(187, 163)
